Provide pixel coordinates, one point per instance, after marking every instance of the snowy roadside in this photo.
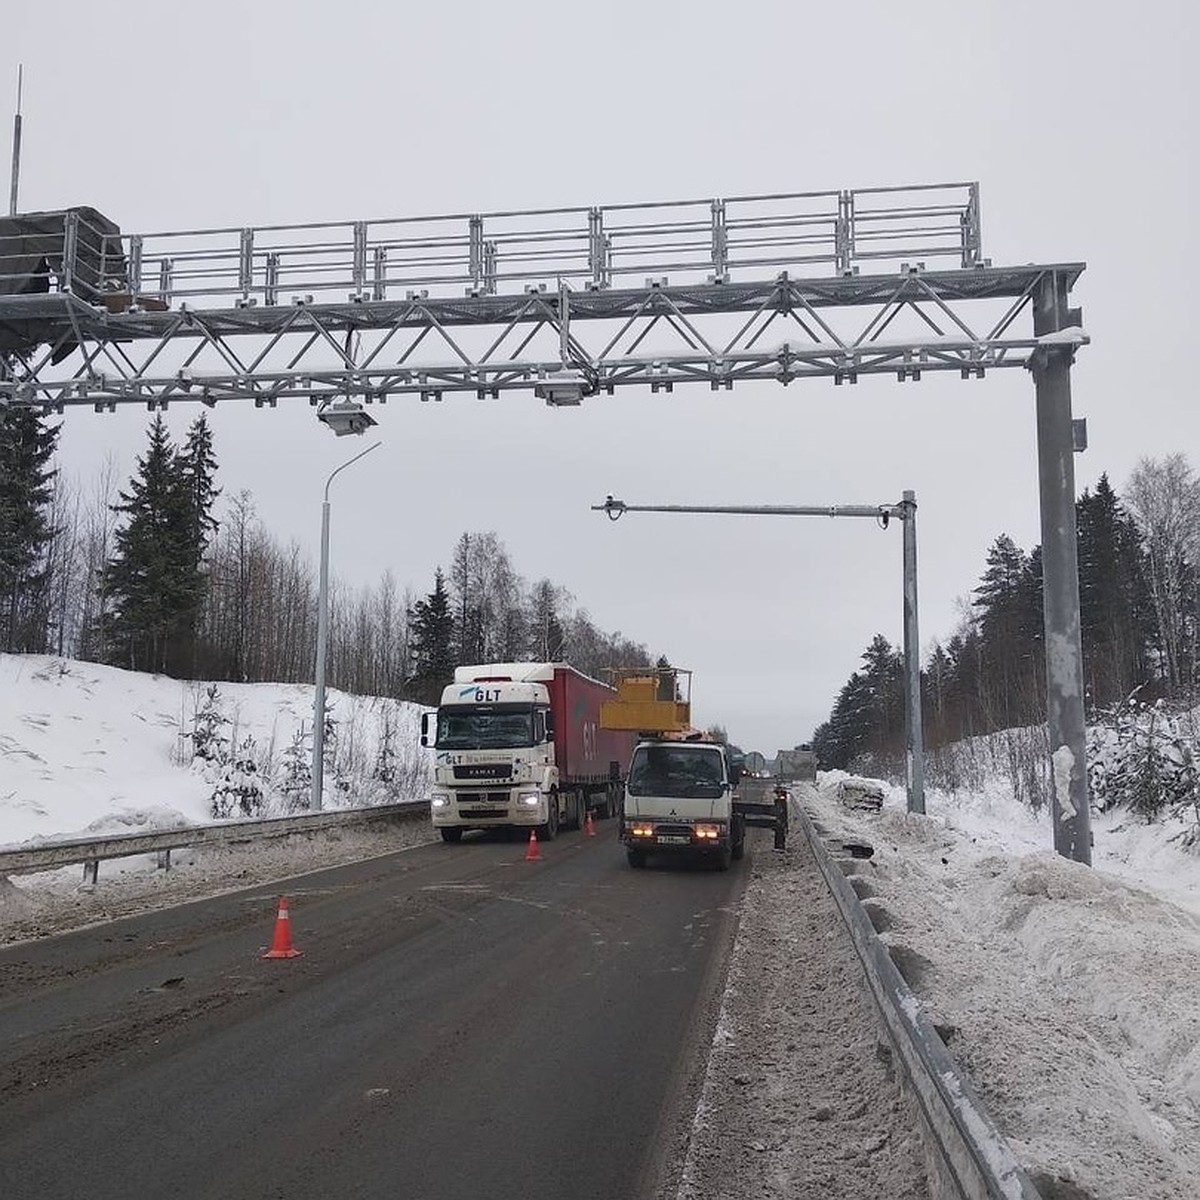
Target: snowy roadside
(801, 1096)
(54, 901)
(1070, 996)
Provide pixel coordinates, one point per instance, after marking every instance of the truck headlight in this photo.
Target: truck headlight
(707, 833)
(529, 799)
(439, 800)
(641, 829)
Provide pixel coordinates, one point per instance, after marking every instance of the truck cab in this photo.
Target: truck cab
(521, 745)
(679, 799)
(494, 763)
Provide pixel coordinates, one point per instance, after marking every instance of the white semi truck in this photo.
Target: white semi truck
(520, 745)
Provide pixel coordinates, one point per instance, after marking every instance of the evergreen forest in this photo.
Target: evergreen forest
(160, 573)
(1138, 555)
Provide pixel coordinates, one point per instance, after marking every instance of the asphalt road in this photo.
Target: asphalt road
(461, 1024)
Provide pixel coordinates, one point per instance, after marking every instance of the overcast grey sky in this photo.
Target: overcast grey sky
(1077, 118)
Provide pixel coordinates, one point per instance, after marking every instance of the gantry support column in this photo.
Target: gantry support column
(1051, 367)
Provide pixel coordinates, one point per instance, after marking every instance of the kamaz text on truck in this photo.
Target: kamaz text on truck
(520, 745)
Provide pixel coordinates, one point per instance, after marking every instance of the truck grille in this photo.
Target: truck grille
(673, 830)
(483, 771)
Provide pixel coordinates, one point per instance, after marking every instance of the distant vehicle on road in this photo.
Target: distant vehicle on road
(799, 764)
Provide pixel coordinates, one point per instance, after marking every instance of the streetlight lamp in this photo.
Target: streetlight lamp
(318, 752)
(906, 513)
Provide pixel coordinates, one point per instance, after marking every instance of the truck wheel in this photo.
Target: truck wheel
(580, 809)
(451, 834)
(780, 837)
(547, 832)
(724, 858)
(637, 858)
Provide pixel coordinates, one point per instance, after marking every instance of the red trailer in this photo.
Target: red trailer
(589, 758)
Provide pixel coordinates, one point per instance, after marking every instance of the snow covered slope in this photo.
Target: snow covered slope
(86, 748)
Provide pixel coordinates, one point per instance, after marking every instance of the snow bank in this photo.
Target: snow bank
(92, 749)
(1070, 995)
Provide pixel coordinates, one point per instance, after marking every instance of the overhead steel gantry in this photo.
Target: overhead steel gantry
(568, 303)
(825, 284)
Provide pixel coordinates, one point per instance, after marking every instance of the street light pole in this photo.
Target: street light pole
(906, 512)
(318, 752)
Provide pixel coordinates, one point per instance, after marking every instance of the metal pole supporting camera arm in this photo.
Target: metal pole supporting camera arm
(905, 511)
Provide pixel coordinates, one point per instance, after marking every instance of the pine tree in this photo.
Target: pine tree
(208, 740)
(1008, 607)
(1116, 618)
(197, 468)
(296, 773)
(883, 677)
(27, 445)
(432, 643)
(847, 733)
(154, 581)
(385, 758)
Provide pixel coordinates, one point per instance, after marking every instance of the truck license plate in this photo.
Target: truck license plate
(674, 839)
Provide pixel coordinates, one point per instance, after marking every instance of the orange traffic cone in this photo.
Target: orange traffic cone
(282, 947)
(589, 826)
(533, 854)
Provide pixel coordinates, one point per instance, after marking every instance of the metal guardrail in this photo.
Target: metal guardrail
(484, 254)
(91, 851)
(976, 1163)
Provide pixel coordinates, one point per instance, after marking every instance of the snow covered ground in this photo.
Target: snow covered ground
(90, 749)
(1071, 995)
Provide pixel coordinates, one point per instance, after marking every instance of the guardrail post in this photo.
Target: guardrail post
(271, 284)
(135, 264)
(379, 289)
(164, 860)
(489, 268)
(843, 236)
(91, 872)
(66, 282)
(720, 243)
(360, 260)
(475, 252)
(597, 249)
(246, 263)
(972, 231)
(165, 268)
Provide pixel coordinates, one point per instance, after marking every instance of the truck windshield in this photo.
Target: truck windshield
(677, 771)
(484, 728)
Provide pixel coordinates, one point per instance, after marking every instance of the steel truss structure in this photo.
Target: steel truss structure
(569, 303)
(313, 311)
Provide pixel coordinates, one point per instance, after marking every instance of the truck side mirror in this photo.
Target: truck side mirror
(735, 774)
(614, 771)
(549, 726)
(425, 738)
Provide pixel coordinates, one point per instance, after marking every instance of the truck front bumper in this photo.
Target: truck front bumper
(674, 835)
(484, 810)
